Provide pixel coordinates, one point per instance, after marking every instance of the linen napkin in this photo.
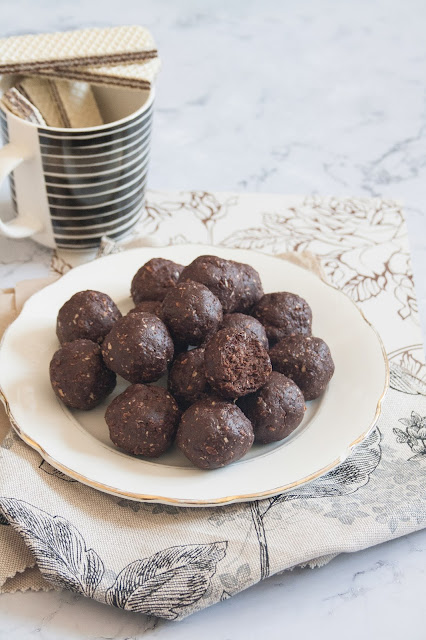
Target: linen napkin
(170, 562)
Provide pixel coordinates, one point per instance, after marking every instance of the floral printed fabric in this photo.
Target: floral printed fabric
(169, 562)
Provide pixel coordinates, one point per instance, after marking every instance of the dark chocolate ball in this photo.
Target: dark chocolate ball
(283, 314)
(155, 279)
(250, 288)
(138, 347)
(275, 410)
(187, 380)
(79, 376)
(236, 363)
(213, 433)
(156, 307)
(221, 276)
(87, 314)
(148, 306)
(191, 312)
(307, 361)
(247, 323)
(143, 420)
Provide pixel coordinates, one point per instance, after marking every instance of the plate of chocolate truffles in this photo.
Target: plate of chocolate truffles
(192, 375)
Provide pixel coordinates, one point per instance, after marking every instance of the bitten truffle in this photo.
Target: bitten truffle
(89, 315)
(79, 376)
(221, 276)
(138, 347)
(275, 410)
(187, 380)
(155, 279)
(247, 323)
(236, 363)
(191, 312)
(283, 314)
(250, 288)
(148, 306)
(213, 433)
(307, 361)
(143, 420)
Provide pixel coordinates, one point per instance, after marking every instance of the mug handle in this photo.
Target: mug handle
(11, 156)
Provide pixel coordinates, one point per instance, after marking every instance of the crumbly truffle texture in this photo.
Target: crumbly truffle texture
(250, 288)
(246, 323)
(148, 306)
(143, 420)
(139, 348)
(221, 276)
(236, 363)
(307, 361)
(275, 410)
(187, 380)
(79, 376)
(213, 433)
(283, 314)
(191, 312)
(89, 315)
(155, 279)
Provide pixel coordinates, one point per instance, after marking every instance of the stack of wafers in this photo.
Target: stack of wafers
(56, 71)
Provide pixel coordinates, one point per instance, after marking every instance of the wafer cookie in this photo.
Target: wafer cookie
(62, 103)
(134, 76)
(20, 106)
(85, 47)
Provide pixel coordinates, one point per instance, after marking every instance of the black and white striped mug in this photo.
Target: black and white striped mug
(70, 187)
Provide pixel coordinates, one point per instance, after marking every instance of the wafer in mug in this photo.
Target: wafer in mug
(19, 104)
(62, 103)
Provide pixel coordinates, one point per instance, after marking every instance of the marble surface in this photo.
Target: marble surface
(265, 96)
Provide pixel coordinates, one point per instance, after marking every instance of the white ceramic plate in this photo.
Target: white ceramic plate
(77, 442)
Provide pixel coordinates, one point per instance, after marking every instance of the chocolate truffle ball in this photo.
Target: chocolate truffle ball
(250, 288)
(155, 279)
(79, 376)
(191, 312)
(213, 433)
(236, 363)
(138, 347)
(221, 276)
(187, 380)
(87, 314)
(148, 306)
(156, 307)
(283, 314)
(247, 323)
(306, 360)
(275, 410)
(143, 420)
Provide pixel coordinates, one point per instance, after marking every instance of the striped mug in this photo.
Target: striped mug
(70, 187)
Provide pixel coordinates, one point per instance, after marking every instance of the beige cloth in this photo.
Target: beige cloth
(17, 570)
(170, 561)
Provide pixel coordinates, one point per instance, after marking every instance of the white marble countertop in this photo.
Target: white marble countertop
(265, 96)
